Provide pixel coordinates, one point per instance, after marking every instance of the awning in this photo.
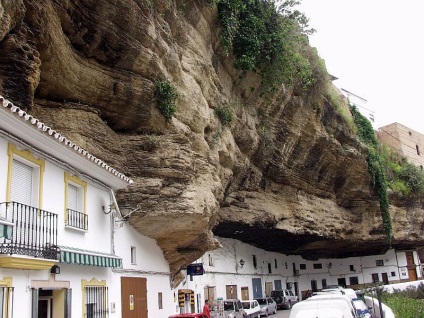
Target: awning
(73, 255)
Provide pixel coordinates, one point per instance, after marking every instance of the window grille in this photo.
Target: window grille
(96, 302)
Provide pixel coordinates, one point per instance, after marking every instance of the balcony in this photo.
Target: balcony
(28, 237)
(77, 219)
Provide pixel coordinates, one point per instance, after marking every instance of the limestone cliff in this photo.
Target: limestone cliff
(286, 176)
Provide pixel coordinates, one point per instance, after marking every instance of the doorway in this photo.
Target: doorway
(231, 291)
(385, 278)
(412, 272)
(341, 282)
(45, 307)
(245, 293)
(134, 297)
(257, 288)
(268, 289)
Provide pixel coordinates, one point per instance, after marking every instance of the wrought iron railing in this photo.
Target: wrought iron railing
(25, 230)
(77, 219)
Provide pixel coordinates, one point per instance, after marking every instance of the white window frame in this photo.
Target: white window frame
(38, 167)
(81, 195)
(133, 255)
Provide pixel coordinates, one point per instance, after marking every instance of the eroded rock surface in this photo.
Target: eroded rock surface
(287, 176)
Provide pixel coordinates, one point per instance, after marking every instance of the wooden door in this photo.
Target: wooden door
(268, 289)
(412, 272)
(134, 297)
(210, 295)
(257, 288)
(385, 278)
(245, 293)
(231, 291)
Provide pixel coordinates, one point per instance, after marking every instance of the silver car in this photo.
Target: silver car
(233, 309)
(268, 306)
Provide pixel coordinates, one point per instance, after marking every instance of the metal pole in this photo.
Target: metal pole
(379, 290)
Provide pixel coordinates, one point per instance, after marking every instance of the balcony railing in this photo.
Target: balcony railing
(77, 219)
(25, 230)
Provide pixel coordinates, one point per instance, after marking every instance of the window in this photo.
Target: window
(317, 265)
(393, 274)
(75, 194)
(25, 177)
(353, 280)
(375, 278)
(379, 262)
(302, 266)
(418, 150)
(255, 262)
(160, 303)
(269, 268)
(352, 268)
(275, 263)
(95, 299)
(210, 260)
(133, 255)
(324, 283)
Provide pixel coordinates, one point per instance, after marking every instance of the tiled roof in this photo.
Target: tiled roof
(15, 110)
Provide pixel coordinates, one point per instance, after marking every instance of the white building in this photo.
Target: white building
(361, 105)
(65, 250)
(238, 270)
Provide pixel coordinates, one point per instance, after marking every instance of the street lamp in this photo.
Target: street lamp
(241, 263)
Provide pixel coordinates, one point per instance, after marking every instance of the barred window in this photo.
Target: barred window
(96, 302)
(6, 302)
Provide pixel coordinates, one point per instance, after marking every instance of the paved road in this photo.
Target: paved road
(281, 313)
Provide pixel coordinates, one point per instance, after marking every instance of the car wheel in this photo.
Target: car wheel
(275, 310)
(288, 305)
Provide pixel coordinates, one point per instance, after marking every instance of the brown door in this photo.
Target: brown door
(231, 291)
(210, 295)
(268, 288)
(385, 278)
(134, 297)
(245, 293)
(411, 266)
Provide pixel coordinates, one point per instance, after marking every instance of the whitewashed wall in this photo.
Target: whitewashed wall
(225, 269)
(150, 264)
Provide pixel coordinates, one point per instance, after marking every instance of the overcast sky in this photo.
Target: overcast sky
(376, 49)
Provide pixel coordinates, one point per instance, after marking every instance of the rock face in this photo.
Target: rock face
(287, 176)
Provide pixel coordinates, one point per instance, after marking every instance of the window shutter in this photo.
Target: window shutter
(21, 187)
(72, 197)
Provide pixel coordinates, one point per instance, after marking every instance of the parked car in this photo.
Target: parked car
(188, 315)
(362, 308)
(268, 306)
(325, 306)
(284, 298)
(251, 308)
(233, 309)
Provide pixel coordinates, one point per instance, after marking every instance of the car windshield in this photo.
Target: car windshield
(246, 305)
(359, 304)
(228, 305)
(261, 301)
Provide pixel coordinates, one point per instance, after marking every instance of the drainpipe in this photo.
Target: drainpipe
(112, 220)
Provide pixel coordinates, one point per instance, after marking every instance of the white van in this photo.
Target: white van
(325, 306)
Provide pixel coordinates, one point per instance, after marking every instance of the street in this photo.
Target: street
(281, 313)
